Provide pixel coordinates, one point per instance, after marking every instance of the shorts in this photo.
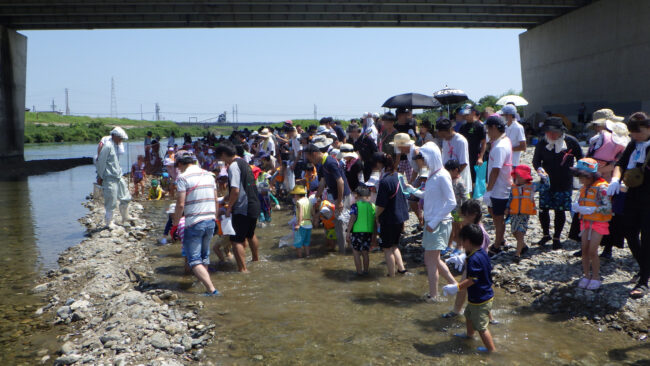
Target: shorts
(361, 241)
(601, 228)
(390, 234)
(478, 315)
(330, 234)
(499, 206)
(302, 237)
(519, 223)
(439, 238)
(557, 201)
(244, 227)
(196, 242)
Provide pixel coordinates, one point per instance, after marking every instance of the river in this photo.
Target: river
(286, 311)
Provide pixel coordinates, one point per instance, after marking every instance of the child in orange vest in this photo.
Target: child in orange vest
(521, 206)
(595, 209)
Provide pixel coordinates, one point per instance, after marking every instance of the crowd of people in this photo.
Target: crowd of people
(360, 183)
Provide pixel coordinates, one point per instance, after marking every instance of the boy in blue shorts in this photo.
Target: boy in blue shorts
(302, 234)
(361, 231)
(478, 285)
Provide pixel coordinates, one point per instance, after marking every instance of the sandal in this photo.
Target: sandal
(524, 250)
(639, 291)
(402, 272)
(545, 239)
(450, 315)
(492, 250)
(593, 285)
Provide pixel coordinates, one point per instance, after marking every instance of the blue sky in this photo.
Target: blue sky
(271, 74)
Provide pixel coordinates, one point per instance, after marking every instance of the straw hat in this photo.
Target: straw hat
(347, 151)
(601, 117)
(401, 140)
(265, 133)
(298, 189)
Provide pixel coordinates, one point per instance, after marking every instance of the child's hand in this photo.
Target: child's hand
(507, 212)
(296, 227)
(450, 290)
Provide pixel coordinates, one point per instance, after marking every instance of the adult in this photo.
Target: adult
(325, 126)
(338, 130)
(147, 144)
(353, 166)
(609, 141)
(459, 117)
(154, 164)
(391, 213)
(405, 151)
(332, 176)
(365, 146)
(474, 133)
(387, 134)
(405, 122)
(171, 140)
(268, 143)
(499, 171)
(439, 201)
(243, 204)
(110, 177)
(455, 146)
(197, 202)
(425, 133)
(554, 156)
(635, 159)
(368, 127)
(515, 132)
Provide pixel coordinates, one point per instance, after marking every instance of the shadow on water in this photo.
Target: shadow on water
(400, 299)
(621, 354)
(440, 349)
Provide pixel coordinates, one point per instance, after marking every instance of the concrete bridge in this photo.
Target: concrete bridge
(591, 51)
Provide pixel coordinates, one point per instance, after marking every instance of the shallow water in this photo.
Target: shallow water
(317, 311)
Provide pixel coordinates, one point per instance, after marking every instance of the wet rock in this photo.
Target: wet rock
(63, 312)
(67, 359)
(67, 348)
(179, 349)
(40, 288)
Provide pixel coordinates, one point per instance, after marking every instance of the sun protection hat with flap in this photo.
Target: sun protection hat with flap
(347, 151)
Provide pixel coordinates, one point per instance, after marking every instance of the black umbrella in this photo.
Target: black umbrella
(411, 101)
(450, 96)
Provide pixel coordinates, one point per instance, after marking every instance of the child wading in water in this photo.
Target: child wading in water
(361, 228)
(138, 175)
(521, 206)
(302, 235)
(595, 209)
(461, 194)
(479, 287)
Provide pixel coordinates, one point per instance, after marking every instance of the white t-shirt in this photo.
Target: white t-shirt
(515, 133)
(501, 158)
(456, 148)
(199, 187)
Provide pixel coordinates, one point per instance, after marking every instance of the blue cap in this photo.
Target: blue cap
(495, 120)
(509, 109)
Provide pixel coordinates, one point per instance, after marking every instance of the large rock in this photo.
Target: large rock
(160, 341)
(67, 360)
(81, 304)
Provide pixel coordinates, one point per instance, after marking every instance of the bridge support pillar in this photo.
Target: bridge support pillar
(597, 55)
(13, 67)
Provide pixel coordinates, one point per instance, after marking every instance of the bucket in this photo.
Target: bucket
(535, 141)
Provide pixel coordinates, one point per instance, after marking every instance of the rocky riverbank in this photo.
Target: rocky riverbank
(546, 280)
(109, 311)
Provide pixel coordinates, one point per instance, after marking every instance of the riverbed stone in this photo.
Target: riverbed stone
(40, 288)
(63, 312)
(67, 359)
(160, 341)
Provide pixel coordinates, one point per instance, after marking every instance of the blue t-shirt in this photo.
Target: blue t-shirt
(479, 270)
(331, 171)
(392, 199)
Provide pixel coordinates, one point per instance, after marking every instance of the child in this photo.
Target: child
(521, 206)
(326, 216)
(361, 231)
(461, 194)
(595, 209)
(479, 287)
(178, 233)
(138, 175)
(303, 226)
(155, 192)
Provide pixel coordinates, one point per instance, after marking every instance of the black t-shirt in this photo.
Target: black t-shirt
(409, 125)
(331, 171)
(352, 174)
(474, 133)
(558, 165)
(340, 134)
(366, 148)
(638, 197)
(392, 199)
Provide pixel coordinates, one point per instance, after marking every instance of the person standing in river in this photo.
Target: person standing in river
(109, 176)
(555, 155)
(197, 202)
(243, 203)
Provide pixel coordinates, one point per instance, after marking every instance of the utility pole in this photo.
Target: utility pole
(315, 112)
(67, 106)
(157, 112)
(53, 106)
(233, 113)
(236, 113)
(113, 100)
(141, 118)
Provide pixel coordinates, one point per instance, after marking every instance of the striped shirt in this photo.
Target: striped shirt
(199, 187)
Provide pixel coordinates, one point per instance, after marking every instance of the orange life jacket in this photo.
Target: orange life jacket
(327, 223)
(523, 200)
(588, 197)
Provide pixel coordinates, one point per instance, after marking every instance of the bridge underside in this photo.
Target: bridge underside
(98, 14)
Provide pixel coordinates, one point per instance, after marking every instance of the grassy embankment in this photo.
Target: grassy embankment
(50, 127)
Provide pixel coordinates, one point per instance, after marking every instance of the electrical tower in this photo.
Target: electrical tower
(113, 100)
(157, 112)
(67, 106)
(53, 106)
(315, 112)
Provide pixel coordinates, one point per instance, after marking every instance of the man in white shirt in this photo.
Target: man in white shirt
(499, 178)
(515, 132)
(369, 128)
(454, 146)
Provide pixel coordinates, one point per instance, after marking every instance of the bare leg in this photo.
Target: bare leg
(299, 252)
(461, 296)
(585, 254)
(307, 251)
(520, 242)
(431, 262)
(470, 329)
(398, 259)
(444, 271)
(390, 261)
(499, 228)
(357, 260)
(366, 260)
(201, 272)
(240, 256)
(486, 337)
(593, 255)
(255, 245)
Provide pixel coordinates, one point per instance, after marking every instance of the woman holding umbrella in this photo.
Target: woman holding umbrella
(554, 156)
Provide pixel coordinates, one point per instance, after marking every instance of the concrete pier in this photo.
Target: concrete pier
(597, 55)
(13, 64)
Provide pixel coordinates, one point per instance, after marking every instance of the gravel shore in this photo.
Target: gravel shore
(547, 280)
(102, 297)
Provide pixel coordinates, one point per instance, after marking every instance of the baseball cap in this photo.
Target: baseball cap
(495, 120)
(508, 109)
